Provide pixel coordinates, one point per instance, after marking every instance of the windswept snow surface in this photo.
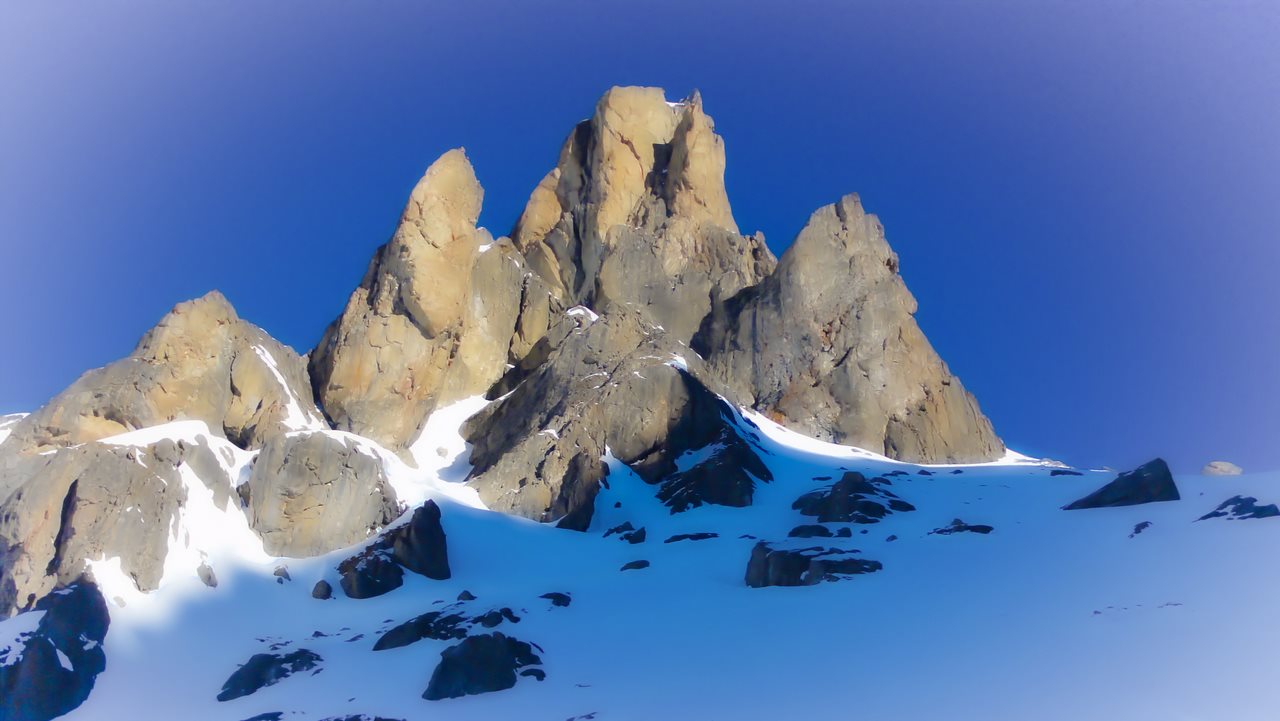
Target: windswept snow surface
(1053, 616)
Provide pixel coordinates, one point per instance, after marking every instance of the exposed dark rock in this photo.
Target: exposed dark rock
(282, 574)
(635, 565)
(268, 669)
(1140, 527)
(1148, 483)
(628, 533)
(691, 537)
(557, 599)
(435, 625)
(852, 499)
(268, 716)
(810, 531)
(1242, 507)
(924, 472)
(480, 664)
(418, 545)
(959, 526)
(624, 527)
(370, 573)
(891, 538)
(771, 566)
(466, 596)
(34, 683)
(1064, 472)
(957, 472)
(322, 590)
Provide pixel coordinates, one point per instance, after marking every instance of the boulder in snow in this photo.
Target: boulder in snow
(1148, 483)
(482, 664)
(770, 566)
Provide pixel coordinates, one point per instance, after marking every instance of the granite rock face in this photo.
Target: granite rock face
(828, 346)
(435, 318)
(201, 362)
(311, 493)
(635, 212)
(93, 501)
(594, 381)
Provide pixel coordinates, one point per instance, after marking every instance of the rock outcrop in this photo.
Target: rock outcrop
(594, 383)
(852, 499)
(635, 213)
(311, 493)
(439, 312)
(1242, 507)
(827, 345)
(482, 664)
(50, 670)
(1149, 483)
(201, 362)
(419, 545)
(89, 502)
(268, 669)
(771, 565)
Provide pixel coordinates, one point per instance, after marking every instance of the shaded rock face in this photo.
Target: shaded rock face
(770, 566)
(419, 545)
(828, 346)
(201, 362)
(1148, 483)
(268, 669)
(89, 502)
(636, 212)
(311, 493)
(592, 382)
(1241, 507)
(959, 526)
(726, 477)
(445, 625)
(481, 664)
(852, 499)
(439, 312)
(35, 685)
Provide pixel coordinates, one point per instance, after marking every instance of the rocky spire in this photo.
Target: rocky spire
(636, 212)
(828, 346)
(435, 317)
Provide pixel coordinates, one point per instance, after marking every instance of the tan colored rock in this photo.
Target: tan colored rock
(635, 212)
(435, 318)
(829, 347)
(1221, 468)
(311, 493)
(200, 362)
(94, 501)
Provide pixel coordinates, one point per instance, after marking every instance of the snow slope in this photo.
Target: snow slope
(1054, 615)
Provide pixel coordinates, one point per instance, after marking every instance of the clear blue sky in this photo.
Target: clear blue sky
(1085, 195)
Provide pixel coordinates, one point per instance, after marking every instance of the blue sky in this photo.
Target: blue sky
(1084, 195)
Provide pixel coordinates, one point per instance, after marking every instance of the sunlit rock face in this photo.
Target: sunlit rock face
(200, 362)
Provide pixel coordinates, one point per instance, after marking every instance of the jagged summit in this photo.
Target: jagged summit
(333, 536)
